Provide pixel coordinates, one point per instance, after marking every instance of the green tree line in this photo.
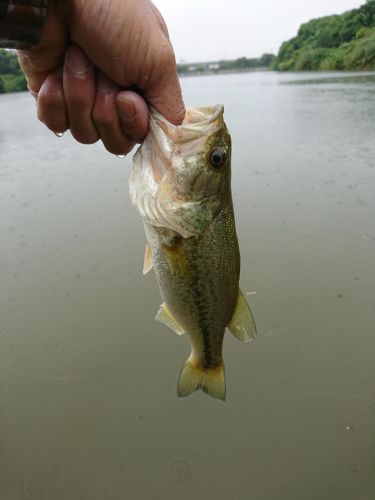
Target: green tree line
(11, 76)
(338, 42)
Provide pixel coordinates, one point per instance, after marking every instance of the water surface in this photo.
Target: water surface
(88, 406)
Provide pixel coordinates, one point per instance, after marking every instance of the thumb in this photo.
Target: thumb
(166, 97)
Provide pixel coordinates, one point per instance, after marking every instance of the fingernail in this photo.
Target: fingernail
(126, 108)
(77, 62)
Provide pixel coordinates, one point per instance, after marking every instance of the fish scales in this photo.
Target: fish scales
(203, 300)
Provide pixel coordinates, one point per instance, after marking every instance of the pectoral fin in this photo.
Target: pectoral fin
(147, 263)
(242, 324)
(165, 316)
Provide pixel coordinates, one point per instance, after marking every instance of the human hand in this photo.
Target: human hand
(98, 65)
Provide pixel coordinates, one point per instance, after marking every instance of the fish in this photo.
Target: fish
(180, 184)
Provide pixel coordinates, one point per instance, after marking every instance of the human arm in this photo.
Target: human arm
(96, 64)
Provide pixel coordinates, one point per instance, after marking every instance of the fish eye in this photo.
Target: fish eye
(218, 157)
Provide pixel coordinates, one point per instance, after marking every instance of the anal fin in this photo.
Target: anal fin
(242, 324)
(165, 316)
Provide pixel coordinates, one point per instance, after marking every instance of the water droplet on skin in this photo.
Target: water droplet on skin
(59, 134)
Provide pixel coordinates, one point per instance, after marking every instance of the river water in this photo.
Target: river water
(88, 406)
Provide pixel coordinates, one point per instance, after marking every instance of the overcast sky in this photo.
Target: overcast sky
(204, 30)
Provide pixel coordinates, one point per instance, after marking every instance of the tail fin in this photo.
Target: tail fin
(210, 380)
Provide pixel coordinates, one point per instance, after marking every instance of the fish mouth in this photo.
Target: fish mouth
(198, 123)
(168, 140)
(203, 116)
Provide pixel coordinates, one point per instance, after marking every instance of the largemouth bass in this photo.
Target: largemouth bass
(181, 186)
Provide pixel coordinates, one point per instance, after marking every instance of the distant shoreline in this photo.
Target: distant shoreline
(271, 70)
(224, 72)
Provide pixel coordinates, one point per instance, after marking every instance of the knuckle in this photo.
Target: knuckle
(54, 119)
(51, 99)
(83, 136)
